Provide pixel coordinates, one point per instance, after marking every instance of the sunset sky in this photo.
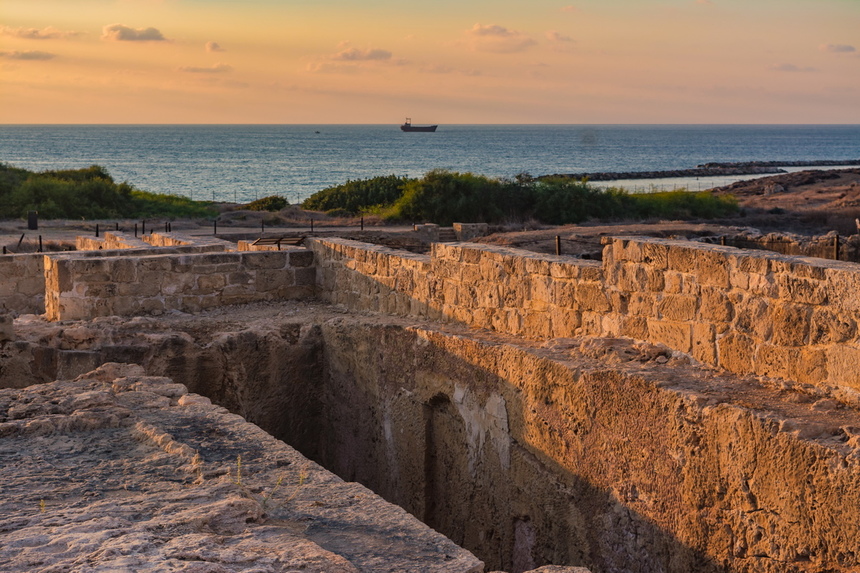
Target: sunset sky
(438, 61)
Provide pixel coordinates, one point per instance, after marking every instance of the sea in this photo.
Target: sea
(239, 163)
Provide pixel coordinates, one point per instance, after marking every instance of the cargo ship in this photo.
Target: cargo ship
(407, 126)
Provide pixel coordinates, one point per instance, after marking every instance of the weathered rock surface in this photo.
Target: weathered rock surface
(118, 471)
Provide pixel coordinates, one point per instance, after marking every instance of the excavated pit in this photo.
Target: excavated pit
(600, 453)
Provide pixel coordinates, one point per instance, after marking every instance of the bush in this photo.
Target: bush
(444, 197)
(89, 193)
(358, 196)
(270, 203)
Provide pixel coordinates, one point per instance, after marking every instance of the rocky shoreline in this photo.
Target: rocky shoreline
(704, 170)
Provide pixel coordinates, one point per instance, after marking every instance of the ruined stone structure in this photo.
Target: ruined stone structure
(675, 407)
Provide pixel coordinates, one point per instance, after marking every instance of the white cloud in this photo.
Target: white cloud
(214, 47)
(498, 39)
(28, 55)
(790, 68)
(216, 69)
(837, 48)
(123, 33)
(49, 33)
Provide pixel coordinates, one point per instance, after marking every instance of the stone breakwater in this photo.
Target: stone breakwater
(119, 471)
(705, 170)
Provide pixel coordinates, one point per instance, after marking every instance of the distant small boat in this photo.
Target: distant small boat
(407, 126)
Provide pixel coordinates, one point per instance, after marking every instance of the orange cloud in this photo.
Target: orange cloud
(218, 68)
(357, 55)
(28, 55)
(498, 39)
(49, 33)
(837, 48)
(123, 33)
(214, 47)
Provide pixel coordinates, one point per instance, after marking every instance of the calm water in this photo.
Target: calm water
(240, 163)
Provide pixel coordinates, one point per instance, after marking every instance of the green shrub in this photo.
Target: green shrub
(270, 203)
(358, 196)
(444, 197)
(89, 193)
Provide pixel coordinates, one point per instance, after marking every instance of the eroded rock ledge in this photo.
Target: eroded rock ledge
(118, 471)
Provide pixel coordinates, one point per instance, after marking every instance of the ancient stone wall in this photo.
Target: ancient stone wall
(109, 241)
(202, 244)
(604, 453)
(80, 287)
(22, 284)
(746, 311)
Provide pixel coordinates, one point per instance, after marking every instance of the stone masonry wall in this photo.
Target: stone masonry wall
(22, 284)
(750, 312)
(202, 244)
(745, 311)
(80, 287)
(110, 241)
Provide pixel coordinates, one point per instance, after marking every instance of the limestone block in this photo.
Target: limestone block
(673, 282)
(34, 285)
(736, 352)
(712, 269)
(827, 326)
(634, 327)
(640, 304)
(541, 291)
(682, 258)
(715, 305)
(802, 290)
(591, 296)
(843, 365)
(678, 307)
(559, 270)
(810, 269)
(612, 325)
(592, 324)
(705, 343)
(655, 255)
(810, 366)
(158, 264)
(590, 271)
(209, 283)
(305, 276)
(791, 324)
(631, 277)
(491, 270)
(7, 328)
(514, 265)
(565, 322)
(675, 335)
(618, 300)
(488, 295)
(563, 293)
(514, 322)
(842, 287)
(656, 281)
(630, 250)
(460, 314)
(750, 263)
(776, 361)
(537, 266)
(753, 316)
